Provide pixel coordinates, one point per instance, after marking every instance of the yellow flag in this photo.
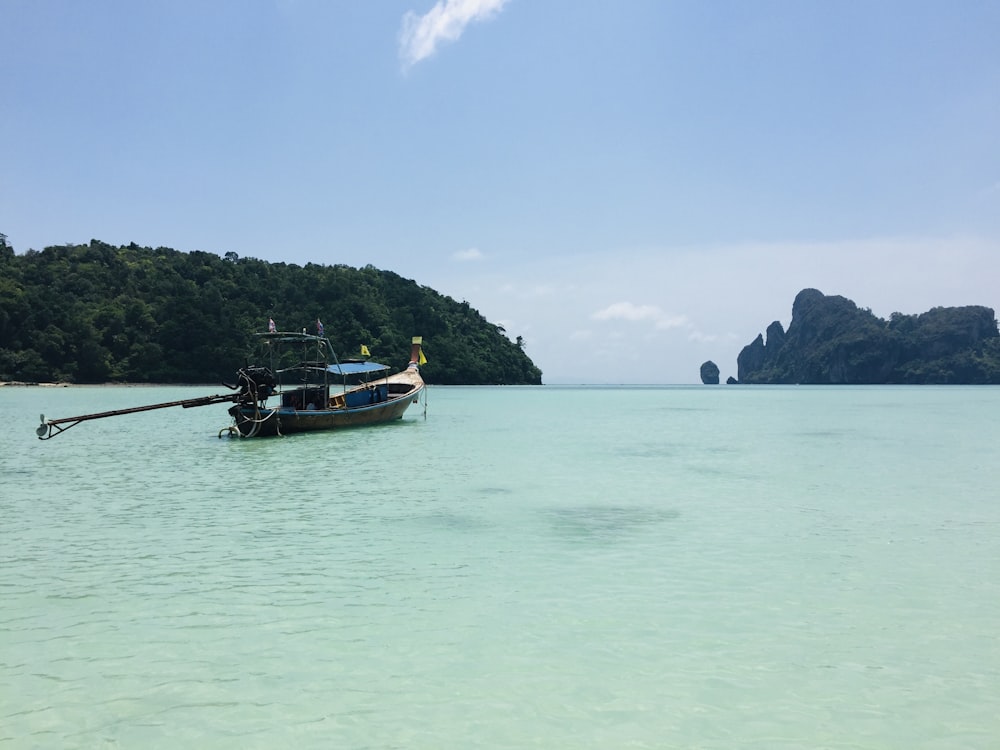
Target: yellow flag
(365, 352)
(423, 359)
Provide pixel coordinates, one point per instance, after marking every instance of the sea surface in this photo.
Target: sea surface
(552, 567)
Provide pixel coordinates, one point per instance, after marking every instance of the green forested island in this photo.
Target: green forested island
(96, 313)
(831, 341)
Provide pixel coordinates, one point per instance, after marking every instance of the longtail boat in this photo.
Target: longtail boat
(299, 386)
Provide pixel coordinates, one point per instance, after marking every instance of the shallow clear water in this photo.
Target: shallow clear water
(597, 567)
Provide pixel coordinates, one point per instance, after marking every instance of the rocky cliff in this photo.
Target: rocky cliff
(710, 373)
(830, 340)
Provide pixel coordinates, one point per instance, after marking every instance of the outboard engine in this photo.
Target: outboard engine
(255, 384)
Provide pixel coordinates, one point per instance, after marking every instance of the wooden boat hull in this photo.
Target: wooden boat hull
(404, 389)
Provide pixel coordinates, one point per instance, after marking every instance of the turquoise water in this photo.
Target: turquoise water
(547, 567)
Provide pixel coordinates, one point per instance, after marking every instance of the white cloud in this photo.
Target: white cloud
(638, 313)
(702, 338)
(445, 22)
(473, 253)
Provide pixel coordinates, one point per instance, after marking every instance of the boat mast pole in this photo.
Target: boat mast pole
(336, 361)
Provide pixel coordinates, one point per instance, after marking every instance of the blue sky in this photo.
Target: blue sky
(634, 187)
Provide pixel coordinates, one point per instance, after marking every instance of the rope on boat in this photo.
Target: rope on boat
(257, 420)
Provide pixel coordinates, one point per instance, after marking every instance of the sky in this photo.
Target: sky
(633, 187)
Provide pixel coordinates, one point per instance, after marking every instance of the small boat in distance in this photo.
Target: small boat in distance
(313, 390)
(299, 385)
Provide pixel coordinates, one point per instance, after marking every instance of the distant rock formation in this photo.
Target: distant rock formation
(731, 381)
(830, 340)
(710, 373)
(758, 356)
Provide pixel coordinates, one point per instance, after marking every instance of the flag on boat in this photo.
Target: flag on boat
(270, 326)
(423, 359)
(365, 352)
(319, 326)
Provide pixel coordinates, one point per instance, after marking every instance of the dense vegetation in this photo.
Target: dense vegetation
(831, 340)
(97, 313)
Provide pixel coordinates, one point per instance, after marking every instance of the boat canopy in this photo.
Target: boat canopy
(356, 368)
(289, 336)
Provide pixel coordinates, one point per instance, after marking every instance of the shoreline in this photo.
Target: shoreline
(29, 384)
(32, 384)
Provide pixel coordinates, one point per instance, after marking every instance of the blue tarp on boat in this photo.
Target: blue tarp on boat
(370, 395)
(356, 368)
